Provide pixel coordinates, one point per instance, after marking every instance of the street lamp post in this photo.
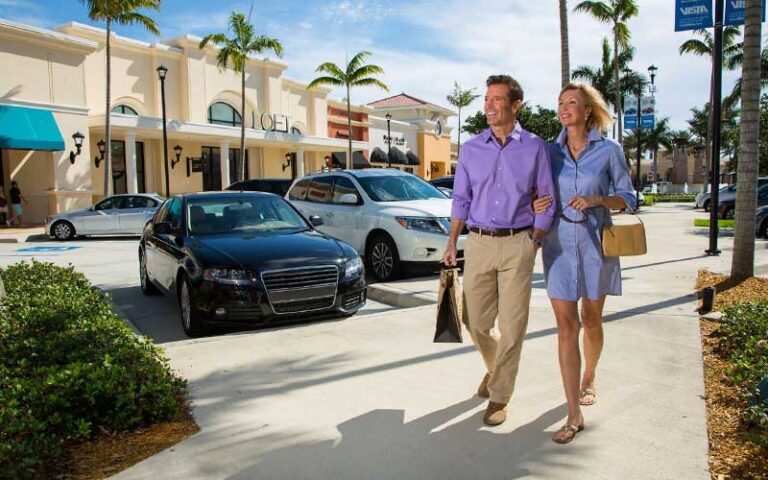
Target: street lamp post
(161, 72)
(389, 140)
(639, 145)
(652, 88)
(717, 87)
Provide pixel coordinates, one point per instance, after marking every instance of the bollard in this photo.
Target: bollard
(706, 299)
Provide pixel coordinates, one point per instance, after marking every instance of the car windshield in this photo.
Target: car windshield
(210, 216)
(398, 188)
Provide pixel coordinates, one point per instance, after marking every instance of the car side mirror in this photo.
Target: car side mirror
(162, 228)
(315, 220)
(349, 199)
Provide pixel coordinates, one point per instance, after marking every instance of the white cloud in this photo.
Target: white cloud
(360, 12)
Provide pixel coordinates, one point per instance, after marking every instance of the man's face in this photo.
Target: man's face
(498, 109)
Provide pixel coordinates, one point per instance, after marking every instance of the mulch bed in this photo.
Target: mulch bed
(108, 454)
(732, 456)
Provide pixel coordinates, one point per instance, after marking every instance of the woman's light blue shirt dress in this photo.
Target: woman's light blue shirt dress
(574, 266)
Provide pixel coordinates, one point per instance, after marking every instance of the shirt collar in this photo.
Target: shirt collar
(594, 136)
(516, 133)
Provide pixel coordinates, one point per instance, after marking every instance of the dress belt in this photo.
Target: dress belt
(499, 232)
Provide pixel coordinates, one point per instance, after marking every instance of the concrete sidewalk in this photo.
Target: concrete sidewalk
(374, 398)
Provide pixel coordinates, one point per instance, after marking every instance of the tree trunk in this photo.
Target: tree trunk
(241, 160)
(458, 145)
(617, 79)
(565, 60)
(743, 262)
(107, 128)
(349, 131)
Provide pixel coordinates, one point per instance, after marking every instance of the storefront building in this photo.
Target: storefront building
(60, 75)
(418, 129)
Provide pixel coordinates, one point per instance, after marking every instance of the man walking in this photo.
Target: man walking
(16, 199)
(498, 172)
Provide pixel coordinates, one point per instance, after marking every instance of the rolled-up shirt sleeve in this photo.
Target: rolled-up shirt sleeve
(462, 192)
(620, 178)
(545, 187)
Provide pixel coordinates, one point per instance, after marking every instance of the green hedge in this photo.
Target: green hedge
(721, 223)
(69, 365)
(745, 343)
(669, 197)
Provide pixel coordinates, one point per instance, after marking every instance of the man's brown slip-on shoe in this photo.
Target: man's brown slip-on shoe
(482, 390)
(495, 414)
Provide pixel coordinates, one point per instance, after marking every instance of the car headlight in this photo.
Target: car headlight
(226, 275)
(425, 224)
(353, 268)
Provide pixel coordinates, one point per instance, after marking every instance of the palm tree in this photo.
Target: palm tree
(602, 77)
(705, 46)
(565, 59)
(237, 50)
(460, 98)
(734, 62)
(743, 260)
(356, 74)
(122, 12)
(617, 13)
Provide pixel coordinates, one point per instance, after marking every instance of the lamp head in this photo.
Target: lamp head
(388, 116)
(177, 149)
(78, 138)
(101, 144)
(162, 70)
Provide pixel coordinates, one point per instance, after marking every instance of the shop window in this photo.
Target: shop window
(119, 177)
(124, 109)
(223, 114)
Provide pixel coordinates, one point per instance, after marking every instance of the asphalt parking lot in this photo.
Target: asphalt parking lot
(111, 264)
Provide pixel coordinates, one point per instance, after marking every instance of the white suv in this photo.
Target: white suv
(390, 217)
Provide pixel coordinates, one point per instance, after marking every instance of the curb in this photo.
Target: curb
(398, 297)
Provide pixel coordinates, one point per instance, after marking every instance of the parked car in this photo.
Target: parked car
(761, 222)
(278, 186)
(448, 192)
(727, 207)
(235, 259)
(703, 199)
(445, 182)
(114, 215)
(391, 218)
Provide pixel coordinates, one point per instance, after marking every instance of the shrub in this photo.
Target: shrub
(745, 342)
(68, 365)
(675, 197)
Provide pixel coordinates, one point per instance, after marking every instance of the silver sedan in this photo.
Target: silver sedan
(114, 215)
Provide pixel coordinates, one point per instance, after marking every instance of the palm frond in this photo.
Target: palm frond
(333, 70)
(370, 82)
(364, 71)
(262, 43)
(621, 30)
(319, 81)
(217, 39)
(357, 60)
(696, 47)
(599, 10)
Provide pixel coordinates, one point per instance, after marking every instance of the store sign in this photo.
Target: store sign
(395, 141)
(274, 122)
(196, 164)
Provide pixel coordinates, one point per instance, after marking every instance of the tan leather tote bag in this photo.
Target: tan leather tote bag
(625, 237)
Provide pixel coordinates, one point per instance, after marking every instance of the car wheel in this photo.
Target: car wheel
(383, 259)
(190, 317)
(63, 230)
(729, 214)
(706, 205)
(147, 287)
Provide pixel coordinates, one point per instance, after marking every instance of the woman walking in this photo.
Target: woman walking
(585, 165)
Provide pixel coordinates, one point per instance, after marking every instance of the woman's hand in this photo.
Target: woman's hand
(540, 205)
(584, 203)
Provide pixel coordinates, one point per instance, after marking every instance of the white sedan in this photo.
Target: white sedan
(115, 215)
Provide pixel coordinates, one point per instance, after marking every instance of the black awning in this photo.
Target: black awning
(413, 159)
(339, 160)
(397, 157)
(378, 156)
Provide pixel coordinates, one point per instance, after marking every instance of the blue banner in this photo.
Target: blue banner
(648, 122)
(693, 14)
(630, 122)
(734, 12)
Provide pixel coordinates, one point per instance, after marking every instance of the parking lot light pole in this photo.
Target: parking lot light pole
(161, 72)
(652, 88)
(639, 145)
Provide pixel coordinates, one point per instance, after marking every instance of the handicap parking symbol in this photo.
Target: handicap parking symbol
(47, 249)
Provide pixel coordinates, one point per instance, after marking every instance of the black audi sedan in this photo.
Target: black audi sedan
(246, 258)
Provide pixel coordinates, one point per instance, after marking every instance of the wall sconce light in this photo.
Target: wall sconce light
(78, 138)
(288, 160)
(177, 149)
(102, 146)
(328, 162)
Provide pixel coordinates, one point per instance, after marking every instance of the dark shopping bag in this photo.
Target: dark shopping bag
(448, 328)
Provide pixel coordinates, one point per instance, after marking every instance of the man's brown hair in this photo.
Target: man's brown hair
(515, 90)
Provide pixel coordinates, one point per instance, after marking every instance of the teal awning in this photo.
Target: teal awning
(29, 129)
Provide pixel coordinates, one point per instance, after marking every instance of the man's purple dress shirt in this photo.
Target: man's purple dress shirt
(494, 184)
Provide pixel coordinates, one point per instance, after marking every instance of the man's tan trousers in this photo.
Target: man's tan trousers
(497, 283)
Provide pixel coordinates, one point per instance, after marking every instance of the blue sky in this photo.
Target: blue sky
(424, 48)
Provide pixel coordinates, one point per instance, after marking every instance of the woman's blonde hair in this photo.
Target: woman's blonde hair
(599, 116)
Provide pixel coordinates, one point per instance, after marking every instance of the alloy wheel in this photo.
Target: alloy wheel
(382, 259)
(62, 231)
(143, 272)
